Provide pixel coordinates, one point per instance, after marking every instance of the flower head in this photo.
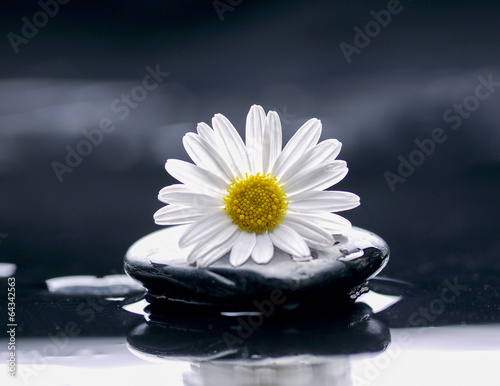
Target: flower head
(247, 198)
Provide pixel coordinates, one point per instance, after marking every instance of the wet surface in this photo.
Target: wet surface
(362, 346)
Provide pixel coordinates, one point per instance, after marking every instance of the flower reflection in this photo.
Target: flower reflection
(296, 371)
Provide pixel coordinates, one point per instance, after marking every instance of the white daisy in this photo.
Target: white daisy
(247, 198)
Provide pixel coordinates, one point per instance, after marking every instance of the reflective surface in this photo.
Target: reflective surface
(386, 336)
(353, 350)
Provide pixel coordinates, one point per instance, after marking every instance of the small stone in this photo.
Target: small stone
(332, 277)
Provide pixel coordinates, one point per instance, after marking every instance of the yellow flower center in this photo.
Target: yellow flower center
(256, 203)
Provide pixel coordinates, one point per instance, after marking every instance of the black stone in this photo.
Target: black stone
(332, 278)
(253, 337)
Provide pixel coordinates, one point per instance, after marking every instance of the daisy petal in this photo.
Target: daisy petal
(264, 250)
(174, 188)
(271, 141)
(206, 156)
(173, 214)
(207, 244)
(318, 177)
(205, 227)
(335, 175)
(209, 251)
(315, 236)
(206, 132)
(181, 195)
(330, 222)
(253, 136)
(233, 143)
(288, 240)
(328, 200)
(306, 137)
(325, 151)
(215, 140)
(196, 178)
(242, 248)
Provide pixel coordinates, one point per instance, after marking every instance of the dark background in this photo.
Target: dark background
(441, 222)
